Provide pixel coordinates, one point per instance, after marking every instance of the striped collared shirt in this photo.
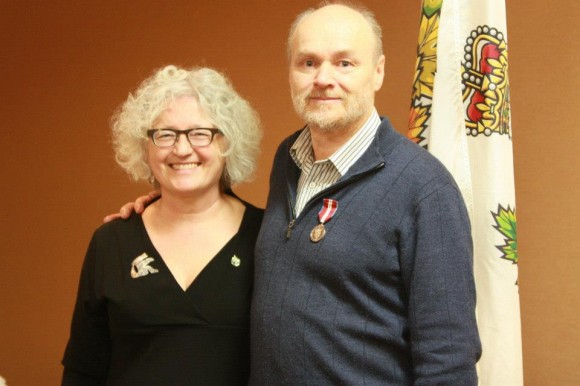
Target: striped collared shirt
(316, 176)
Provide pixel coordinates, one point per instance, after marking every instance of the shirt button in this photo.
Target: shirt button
(312, 185)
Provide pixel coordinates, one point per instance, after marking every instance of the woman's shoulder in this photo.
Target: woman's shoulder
(251, 220)
(253, 215)
(119, 227)
(250, 209)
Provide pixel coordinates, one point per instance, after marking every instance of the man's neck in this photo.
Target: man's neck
(326, 142)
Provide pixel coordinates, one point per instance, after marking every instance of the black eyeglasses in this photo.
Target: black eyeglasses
(198, 137)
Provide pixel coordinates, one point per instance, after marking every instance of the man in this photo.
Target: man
(381, 291)
(364, 259)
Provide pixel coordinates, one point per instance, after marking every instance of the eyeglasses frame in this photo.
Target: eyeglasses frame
(178, 133)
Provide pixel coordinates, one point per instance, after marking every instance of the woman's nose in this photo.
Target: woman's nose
(182, 145)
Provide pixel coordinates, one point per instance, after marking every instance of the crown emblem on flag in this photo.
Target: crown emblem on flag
(485, 83)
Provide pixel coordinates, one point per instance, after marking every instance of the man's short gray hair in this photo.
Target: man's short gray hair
(364, 11)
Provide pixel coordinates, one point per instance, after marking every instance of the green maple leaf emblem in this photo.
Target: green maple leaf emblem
(505, 220)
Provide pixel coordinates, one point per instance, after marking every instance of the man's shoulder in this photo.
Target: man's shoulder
(416, 165)
(403, 148)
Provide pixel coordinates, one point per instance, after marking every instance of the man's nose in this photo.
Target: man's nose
(325, 75)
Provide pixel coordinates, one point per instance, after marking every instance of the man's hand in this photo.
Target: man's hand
(138, 206)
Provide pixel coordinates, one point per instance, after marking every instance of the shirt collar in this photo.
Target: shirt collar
(347, 154)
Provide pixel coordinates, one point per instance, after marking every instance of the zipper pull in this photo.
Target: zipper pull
(289, 229)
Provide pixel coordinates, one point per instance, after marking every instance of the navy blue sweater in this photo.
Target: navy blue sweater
(387, 296)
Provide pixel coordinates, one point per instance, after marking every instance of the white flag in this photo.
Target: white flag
(461, 113)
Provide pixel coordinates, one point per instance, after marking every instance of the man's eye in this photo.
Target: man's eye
(345, 63)
(309, 63)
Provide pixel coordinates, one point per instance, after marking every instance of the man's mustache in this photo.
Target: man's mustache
(317, 95)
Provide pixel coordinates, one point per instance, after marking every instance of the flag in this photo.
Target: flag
(460, 112)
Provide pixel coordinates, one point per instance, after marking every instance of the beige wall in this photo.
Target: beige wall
(67, 64)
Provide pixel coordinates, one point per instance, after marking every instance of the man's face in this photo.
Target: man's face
(334, 71)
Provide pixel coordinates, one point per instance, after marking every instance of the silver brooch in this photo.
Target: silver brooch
(140, 266)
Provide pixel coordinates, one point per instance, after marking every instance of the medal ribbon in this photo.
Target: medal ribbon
(328, 209)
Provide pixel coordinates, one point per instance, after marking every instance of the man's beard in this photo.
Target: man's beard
(329, 118)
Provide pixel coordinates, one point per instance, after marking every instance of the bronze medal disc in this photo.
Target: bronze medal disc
(317, 233)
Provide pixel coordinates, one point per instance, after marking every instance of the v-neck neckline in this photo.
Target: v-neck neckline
(204, 271)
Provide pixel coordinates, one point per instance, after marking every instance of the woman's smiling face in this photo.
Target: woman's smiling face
(182, 169)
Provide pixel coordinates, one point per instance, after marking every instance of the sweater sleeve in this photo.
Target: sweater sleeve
(86, 358)
(439, 279)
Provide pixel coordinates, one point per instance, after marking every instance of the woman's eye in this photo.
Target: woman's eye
(165, 135)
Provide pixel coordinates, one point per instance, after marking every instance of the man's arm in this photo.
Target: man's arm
(138, 206)
(444, 338)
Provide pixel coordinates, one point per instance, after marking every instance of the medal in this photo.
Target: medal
(328, 209)
(317, 233)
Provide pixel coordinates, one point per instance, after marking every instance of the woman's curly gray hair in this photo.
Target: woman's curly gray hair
(232, 114)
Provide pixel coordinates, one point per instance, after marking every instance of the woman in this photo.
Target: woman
(164, 297)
